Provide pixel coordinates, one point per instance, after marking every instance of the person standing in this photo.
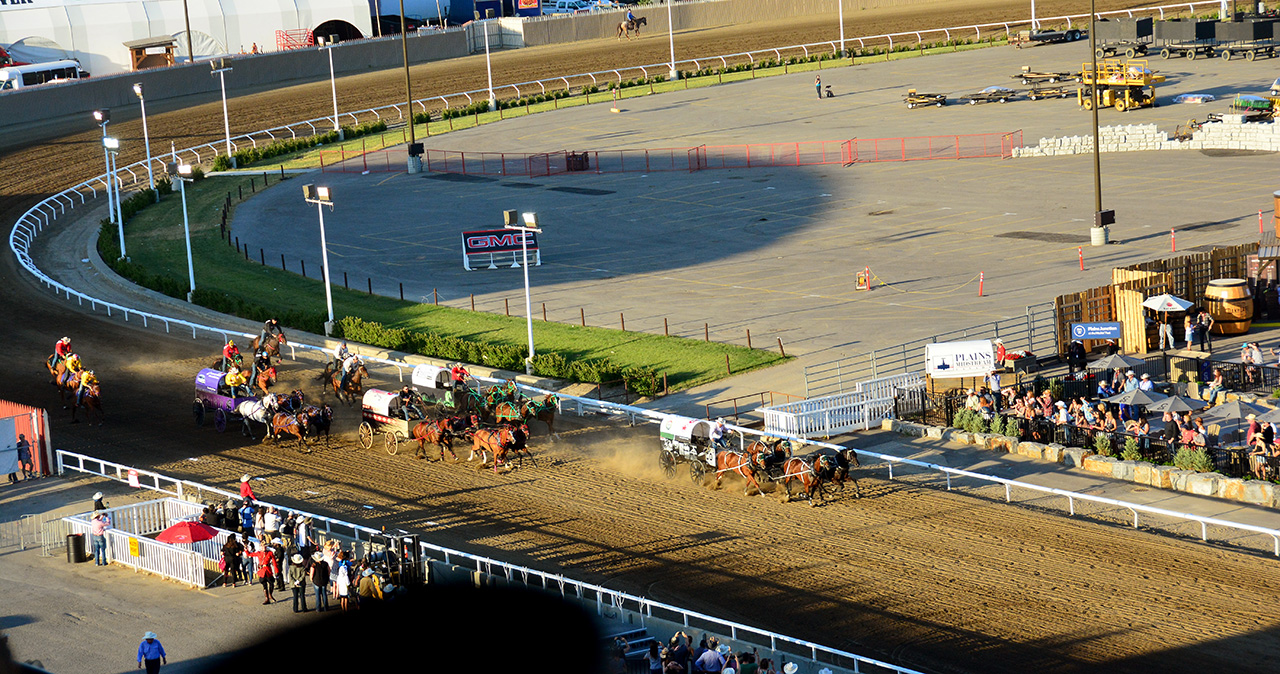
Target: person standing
(98, 536)
(817, 83)
(246, 491)
(1075, 356)
(151, 653)
(231, 561)
(1204, 323)
(246, 520)
(24, 459)
(98, 503)
(268, 567)
(1166, 332)
(277, 548)
(320, 579)
(298, 582)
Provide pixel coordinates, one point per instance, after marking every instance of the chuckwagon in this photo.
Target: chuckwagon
(382, 412)
(434, 383)
(686, 440)
(213, 395)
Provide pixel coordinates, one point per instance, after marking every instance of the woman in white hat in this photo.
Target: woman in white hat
(319, 575)
(98, 503)
(298, 582)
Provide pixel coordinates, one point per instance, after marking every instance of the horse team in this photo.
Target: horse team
(773, 462)
(494, 422)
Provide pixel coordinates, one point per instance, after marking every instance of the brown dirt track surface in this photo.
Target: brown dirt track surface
(930, 579)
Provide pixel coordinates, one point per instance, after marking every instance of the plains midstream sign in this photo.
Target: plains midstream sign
(951, 360)
(1097, 330)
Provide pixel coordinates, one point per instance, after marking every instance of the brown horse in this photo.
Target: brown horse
(500, 441)
(55, 371)
(265, 379)
(295, 425)
(767, 458)
(504, 392)
(273, 345)
(91, 401)
(506, 413)
(735, 462)
(846, 460)
(437, 433)
(543, 410)
(319, 419)
(355, 385)
(810, 473)
(626, 27)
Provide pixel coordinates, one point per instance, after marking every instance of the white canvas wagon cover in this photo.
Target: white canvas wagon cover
(431, 376)
(378, 401)
(684, 428)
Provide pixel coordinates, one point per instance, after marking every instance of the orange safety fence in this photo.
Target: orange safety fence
(33, 423)
(701, 157)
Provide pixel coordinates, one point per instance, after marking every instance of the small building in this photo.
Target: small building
(151, 52)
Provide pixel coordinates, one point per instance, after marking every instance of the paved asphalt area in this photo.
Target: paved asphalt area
(775, 250)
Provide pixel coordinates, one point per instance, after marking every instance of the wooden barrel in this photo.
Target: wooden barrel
(1231, 305)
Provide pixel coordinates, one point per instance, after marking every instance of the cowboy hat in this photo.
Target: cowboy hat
(149, 635)
(97, 496)
(244, 478)
(724, 649)
(790, 668)
(317, 555)
(366, 573)
(1145, 375)
(297, 559)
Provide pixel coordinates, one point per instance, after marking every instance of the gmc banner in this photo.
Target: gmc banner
(493, 241)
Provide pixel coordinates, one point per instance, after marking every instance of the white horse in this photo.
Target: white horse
(254, 410)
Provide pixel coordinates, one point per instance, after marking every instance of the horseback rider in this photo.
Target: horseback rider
(230, 354)
(631, 19)
(61, 350)
(261, 361)
(349, 365)
(71, 366)
(270, 327)
(341, 354)
(87, 380)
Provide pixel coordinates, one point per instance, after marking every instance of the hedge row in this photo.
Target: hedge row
(252, 155)
(643, 381)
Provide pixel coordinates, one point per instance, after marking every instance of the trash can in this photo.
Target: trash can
(578, 161)
(75, 549)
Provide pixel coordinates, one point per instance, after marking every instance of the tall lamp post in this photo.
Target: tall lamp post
(220, 69)
(103, 117)
(113, 146)
(1098, 234)
(671, 39)
(530, 225)
(493, 102)
(321, 197)
(333, 86)
(182, 174)
(146, 138)
(414, 162)
(840, 5)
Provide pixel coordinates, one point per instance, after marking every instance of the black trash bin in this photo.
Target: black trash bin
(75, 549)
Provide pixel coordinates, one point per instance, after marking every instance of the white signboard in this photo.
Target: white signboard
(950, 360)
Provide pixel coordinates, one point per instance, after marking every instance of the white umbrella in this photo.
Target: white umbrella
(1166, 302)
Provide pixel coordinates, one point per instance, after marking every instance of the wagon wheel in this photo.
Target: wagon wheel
(1166, 53)
(219, 420)
(697, 470)
(1226, 54)
(197, 409)
(668, 464)
(392, 443)
(1100, 53)
(940, 103)
(1121, 105)
(1130, 53)
(1191, 54)
(1249, 55)
(366, 435)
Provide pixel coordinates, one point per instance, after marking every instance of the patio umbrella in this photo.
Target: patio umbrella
(187, 532)
(1112, 362)
(1137, 397)
(1177, 404)
(1236, 410)
(1271, 417)
(1166, 303)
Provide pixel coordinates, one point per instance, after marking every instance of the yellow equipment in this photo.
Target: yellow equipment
(1124, 85)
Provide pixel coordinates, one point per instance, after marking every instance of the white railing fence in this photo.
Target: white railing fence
(864, 407)
(168, 561)
(162, 561)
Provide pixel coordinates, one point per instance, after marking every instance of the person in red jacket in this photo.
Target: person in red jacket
(246, 491)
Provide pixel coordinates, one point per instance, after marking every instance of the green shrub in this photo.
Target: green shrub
(1130, 452)
(961, 418)
(1012, 427)
(1193, 459)
(1102, 444)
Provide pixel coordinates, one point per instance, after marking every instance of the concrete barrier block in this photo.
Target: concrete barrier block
(1162, 476)
(890, 425)
(934, 432)
(1231, 488)
(1031, 450)
(994, 442)
(1074, 457)
(1258, 492)
(1124, 470)
(962, 438)
(1053, 452)
(1142, 472)
(1203, 484)
(1100, 465)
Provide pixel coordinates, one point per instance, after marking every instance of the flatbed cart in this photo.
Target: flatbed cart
(917, 100)
(989, 95)
(1124, 85)
(1249, 50)
(1191, 50)
(1031, 38)
(1127, 48)
(1028, 76)
(1037, 93)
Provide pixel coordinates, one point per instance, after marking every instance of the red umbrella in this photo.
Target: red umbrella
(187, 532)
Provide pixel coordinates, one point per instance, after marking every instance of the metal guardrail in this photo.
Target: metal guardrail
(515, 573)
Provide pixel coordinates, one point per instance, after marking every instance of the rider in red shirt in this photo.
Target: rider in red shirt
(230, 353)
(61, 350)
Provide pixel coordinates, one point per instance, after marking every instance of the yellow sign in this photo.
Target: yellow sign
(862, 281)
(134, 548)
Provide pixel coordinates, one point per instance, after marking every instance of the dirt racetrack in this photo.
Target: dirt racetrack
(939, 581)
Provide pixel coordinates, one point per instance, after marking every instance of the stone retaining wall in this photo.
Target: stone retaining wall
(1256, 492)
(1230, 134)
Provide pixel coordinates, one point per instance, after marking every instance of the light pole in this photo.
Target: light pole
(530, 226)
(182, 174)
(840, 5)
(671, 38)
(1099, 235)
(113, 146)
(321, 197)
(493, 103)
(226, 121)
(333, 86)
(413, 163)
(146, 138)
(103, 117)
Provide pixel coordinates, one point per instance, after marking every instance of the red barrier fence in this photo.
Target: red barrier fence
(33, 423)
(758, 155)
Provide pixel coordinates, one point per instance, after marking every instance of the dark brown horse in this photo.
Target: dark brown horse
(68, 383)
(319, 420)
(846, 460)
(437, 433)
(265, 379)
(543, 410)
(811, 473)
(735, 462)
(283, 424)
(355, 384)
(626, 27)
(767, 458)
(272, 347)
(501, 441)
(91, 401)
